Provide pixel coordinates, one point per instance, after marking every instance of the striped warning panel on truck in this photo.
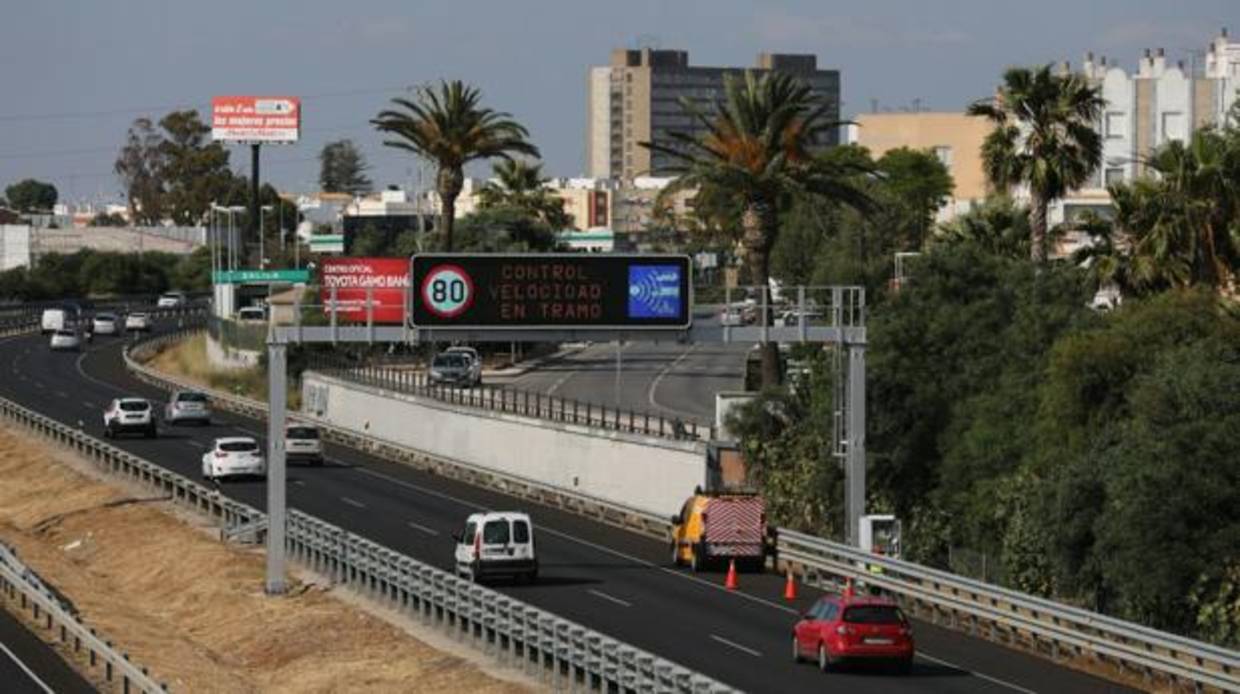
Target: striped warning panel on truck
(734, 526)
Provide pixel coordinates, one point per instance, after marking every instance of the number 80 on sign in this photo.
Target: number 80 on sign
(447, 291)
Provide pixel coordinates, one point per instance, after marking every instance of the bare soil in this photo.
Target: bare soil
(192, 610)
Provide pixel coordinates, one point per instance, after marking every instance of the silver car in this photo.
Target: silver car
(187, 406)
(66, 339)
(475, 362)
(104, 324)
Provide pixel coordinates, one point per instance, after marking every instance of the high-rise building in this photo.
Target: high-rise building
(637, 98)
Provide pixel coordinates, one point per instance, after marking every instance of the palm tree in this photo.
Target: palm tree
(1044, 138)
(755, 147)
(521, 186)
(448, 126)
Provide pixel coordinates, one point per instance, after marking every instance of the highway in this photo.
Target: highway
(29, 666)
(603, 577)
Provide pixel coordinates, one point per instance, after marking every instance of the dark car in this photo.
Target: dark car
(845, 628)
(451, 368)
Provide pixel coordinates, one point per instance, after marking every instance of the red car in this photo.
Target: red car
(853, 628)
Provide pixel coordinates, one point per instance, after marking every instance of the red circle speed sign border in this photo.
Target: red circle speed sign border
(469, 285)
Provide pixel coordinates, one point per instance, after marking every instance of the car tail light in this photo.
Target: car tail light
(478, 544)
(844, 630)
(906, 630)
(221, 454)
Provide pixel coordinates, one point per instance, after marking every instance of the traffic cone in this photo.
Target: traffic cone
(848, 588)
(790, 587)
(730, 581)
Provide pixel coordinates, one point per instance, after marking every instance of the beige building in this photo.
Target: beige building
(637, 99)
(955, 138)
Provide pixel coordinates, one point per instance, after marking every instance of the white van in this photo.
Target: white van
(53, 319)
(497, 543)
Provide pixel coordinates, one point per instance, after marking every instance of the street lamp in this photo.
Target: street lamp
(262, 246)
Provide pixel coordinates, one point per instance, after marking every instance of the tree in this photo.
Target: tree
(920, 184)
(521, 186)
(193, 170)
(342, 168)
(138, 167)
(32, 196)
(756, 148)
(107, 219)
(449, 126)
(1044, 138)
(504, 230)
(998, 226)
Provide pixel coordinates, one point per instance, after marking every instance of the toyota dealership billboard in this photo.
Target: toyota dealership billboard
(255, 118)
(353, 277)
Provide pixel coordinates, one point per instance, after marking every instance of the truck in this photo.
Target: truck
(717, 527)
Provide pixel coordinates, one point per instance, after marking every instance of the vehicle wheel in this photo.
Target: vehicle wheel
(697, 561)
(796, 650)
(824, 660)
(107, 432)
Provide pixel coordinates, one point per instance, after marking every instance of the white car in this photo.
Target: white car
(234, 456)
(171, 300)
(53, 319)
(731, 316)
(475, 362)
(252, 314)
(66, 339)
(187, 406)
(497, 543)
(137, 321)
(792, 319)
(128, 415)
(303, 442)
(104, 324)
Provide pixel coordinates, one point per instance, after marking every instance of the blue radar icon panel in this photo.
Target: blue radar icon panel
(654, 291)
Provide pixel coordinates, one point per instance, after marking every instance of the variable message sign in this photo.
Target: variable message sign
(568, 290)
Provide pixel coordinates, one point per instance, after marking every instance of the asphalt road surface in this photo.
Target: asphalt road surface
(606, 578)
(29, 666)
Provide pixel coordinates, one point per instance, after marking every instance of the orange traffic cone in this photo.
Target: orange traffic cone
(790, 587)
(730, 581)
(848, 588)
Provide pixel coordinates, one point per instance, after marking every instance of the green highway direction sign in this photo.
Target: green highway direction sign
(551, 291)
(261, 277)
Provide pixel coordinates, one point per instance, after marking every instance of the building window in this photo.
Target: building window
(1117, 125)
(944, 155)
(1173, 126)
(1115, 175)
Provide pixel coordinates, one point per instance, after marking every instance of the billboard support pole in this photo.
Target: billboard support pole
(252, 224)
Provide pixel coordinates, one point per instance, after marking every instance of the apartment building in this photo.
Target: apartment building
(637, 98)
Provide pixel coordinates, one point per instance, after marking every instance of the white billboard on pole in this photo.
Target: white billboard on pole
(255, 118)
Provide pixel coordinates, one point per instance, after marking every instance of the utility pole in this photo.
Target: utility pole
(253, 222)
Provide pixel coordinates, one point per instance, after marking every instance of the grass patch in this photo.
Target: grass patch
(188, 360)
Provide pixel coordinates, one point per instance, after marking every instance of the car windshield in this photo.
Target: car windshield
(135, 406)
(238, 446)
(64, 333)
(191, 397)
(105, 317)
(303, 433)
(139, 316)
(452, 361)
(873, 614)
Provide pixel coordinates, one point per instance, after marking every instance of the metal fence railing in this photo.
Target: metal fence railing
(1064, 633)
(514, 401)
(21, 588)
(558, 650)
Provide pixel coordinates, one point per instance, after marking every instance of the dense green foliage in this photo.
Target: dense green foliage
(342, 168)
(520, 186)
(30, 195)
(90, 273)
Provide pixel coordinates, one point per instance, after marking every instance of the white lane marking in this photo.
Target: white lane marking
(196, 444)
(737, 646)
(351, 502)
(25, 669)
(89, 404)
(108, 386)
(249, 431)
(654, 386)
(988, 678)
(609, 598)
(62, 394)
(423, 528)
(298, 483)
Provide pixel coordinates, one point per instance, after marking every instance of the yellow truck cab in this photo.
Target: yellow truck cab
(715, 527)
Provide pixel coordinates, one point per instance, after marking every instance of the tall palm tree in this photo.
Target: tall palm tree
(1044, 138)
(521, 185)
(447, 125)
(756, 147)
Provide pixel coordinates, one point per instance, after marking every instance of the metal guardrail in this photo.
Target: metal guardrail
(518, 402)
(19, 586)
(983, 609)
(558, 649)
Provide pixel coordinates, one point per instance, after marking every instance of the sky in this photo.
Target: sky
(74, 75)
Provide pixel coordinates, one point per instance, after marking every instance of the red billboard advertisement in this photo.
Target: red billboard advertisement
(255, 118)
(353, 277)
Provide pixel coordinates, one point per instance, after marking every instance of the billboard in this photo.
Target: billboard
(255, 118)
(564, 290)
(353, 277)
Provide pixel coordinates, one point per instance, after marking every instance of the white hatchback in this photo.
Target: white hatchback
(137, 321)
(234, 456)
(66, 340)
(497, 543)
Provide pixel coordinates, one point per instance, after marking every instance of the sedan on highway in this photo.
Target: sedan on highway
(851, 628)
(137, 322)
(171, 300)
(66, 340)
(233, 456)
(451, 368)
(129, 415)
(105, 324)
(187, 406)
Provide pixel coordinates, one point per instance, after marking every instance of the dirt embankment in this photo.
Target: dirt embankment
(191, 609)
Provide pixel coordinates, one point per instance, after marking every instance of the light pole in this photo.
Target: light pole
(262, 235)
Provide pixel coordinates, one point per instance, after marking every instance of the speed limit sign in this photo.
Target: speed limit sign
(447, 291)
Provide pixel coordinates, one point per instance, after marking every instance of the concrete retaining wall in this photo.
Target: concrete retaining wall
(649, 474)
